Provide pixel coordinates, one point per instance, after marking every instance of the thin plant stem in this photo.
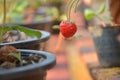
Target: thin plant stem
(99, 18)
(70, 5)
(103, 23)
(4, 13)
(4, 20)
(67, 11)
(76, 5)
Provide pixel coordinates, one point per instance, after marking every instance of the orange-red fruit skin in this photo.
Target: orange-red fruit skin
(68, 29)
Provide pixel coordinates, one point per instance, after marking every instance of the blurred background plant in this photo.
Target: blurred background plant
(18, 10)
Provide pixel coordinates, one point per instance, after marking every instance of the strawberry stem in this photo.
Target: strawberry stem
(101, 20)
(76, 5)
(71, 4)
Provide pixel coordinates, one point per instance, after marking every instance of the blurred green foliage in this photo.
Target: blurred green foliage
(54, 12)
(16, 9)
(89, 13)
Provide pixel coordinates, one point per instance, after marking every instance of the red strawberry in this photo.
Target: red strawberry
(68, 29)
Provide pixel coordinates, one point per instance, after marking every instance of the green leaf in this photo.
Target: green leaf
(16, 55)
(27, 31)
(101, 9)
(89, 14)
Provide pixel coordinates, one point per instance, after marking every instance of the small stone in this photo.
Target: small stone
(34, 57)
(41, 60)
(14, 32)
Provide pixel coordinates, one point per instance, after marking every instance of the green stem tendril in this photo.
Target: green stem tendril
(68, 11)
(71, 4)
(101, 20)
(99, 17)
(76, 5)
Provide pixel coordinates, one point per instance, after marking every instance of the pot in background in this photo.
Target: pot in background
(44, 24)
(33, 43)
(107, 44)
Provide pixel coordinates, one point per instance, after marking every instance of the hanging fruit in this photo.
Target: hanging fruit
(68, 28)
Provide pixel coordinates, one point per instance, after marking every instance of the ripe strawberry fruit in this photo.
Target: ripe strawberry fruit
(67, 29)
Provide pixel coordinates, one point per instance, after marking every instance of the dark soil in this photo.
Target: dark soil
(32, 59)
(9, 62)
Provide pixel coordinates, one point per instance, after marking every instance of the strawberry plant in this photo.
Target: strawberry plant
(105, 37)
(5, 28)
(89, 14)
(68, 28)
